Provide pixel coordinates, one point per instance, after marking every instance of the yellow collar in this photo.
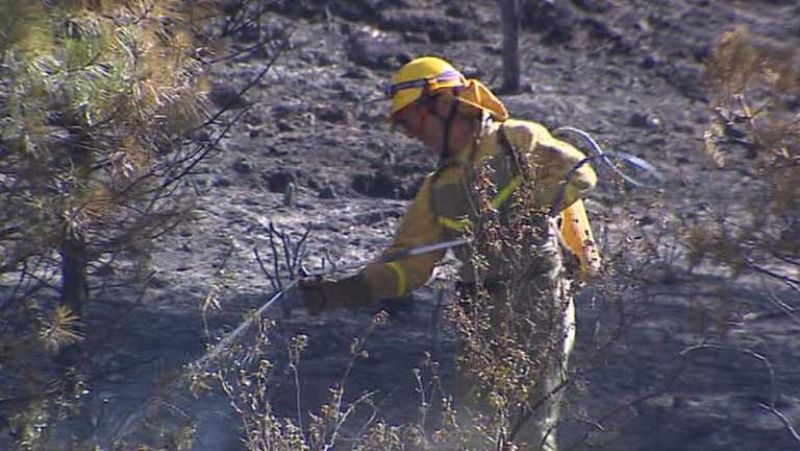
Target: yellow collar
(484, 144)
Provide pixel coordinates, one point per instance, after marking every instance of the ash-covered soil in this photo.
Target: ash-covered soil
(629, 72)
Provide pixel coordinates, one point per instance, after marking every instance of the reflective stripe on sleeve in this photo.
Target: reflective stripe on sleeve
(402, 280)
(458, 225)
(504, 193)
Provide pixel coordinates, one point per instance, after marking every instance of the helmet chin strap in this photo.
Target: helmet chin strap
(448, 124)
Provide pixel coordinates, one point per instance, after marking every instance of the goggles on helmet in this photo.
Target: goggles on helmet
(427, 84)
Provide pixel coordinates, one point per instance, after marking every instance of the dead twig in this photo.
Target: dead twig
(786, 423)
(782, 277)
(435, 316)
(264, 269)
(784, 307)
(283, 249)
(761, 358)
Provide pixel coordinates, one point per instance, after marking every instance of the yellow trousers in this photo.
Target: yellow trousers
(540, 314)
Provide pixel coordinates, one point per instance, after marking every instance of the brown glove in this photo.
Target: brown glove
(320, 295)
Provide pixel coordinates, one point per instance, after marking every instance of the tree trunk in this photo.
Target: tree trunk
(509, 11)
(74, 283)
(74, 290)
(74, 258)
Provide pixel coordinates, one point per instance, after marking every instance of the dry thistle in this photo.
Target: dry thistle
(710, 140)
(753, 81)
(60, 329)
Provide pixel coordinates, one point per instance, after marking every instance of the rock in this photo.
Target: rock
(352, 10)
(650, 61)
(336, 114)
(472, 71)
(221, 182)
(370, 47)
(688, 80)
(278, 181)
(356, 10)
(456, 31)
(242, 166)
(646, 220)
(702, 53)
(272, 151)
(201, 136)
(226, 96)
(380, 184)
(554, 20)
(357, 73)
(461, 10)
(253, 117)
(594, 6)
(284, 126)
(248, 33)
(157, 282)
(312, 182)
(376, 216)
(285, 109)
(557, 36)
(327, 192)
(416, 38)
(440, 29)
(404, 57)
(305, 9)
(644, 120)
(601, 31)
(317, 58)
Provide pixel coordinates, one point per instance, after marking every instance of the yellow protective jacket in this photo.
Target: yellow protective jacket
(443, 202)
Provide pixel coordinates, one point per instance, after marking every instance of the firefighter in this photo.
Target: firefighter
(463, 124)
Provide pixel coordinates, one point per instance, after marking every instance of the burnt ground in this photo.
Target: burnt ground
(691, 368)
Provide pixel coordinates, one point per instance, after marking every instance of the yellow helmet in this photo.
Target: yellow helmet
(420, 77)
(428, 74)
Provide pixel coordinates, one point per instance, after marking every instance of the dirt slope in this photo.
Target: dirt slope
(630, 72)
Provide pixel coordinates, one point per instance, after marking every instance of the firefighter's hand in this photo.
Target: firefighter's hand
(321, 295)
(314, 294)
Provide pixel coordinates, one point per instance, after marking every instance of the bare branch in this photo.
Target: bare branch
(782, 277)
(786, 423)
(264, 270)
(275, 254)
